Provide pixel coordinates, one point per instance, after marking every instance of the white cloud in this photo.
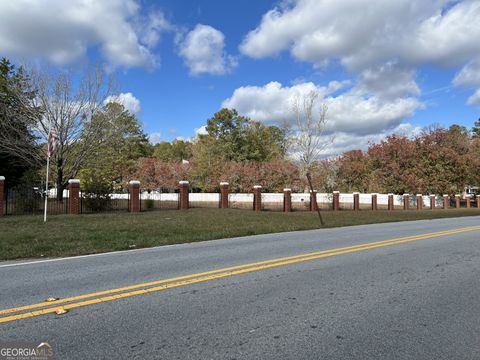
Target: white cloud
(352, 111)
(344, 141)
(474, 99)
(203, 50)
(62, 31)
(201, 130)
(469, 76)
(375, 39)
(128, 100)
(155, 138)
(414, 31)
(151, 28)
(389, 81)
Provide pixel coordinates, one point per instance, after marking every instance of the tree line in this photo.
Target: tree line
(436, 161)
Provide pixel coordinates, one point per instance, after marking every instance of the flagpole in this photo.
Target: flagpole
(48, 167)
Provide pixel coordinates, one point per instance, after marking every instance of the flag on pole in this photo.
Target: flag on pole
(52, 142)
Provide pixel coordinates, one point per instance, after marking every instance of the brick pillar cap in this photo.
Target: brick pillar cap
(406, 194)
(457, 195)
(74, 181)
(336, 192)
(2, 178)
(223, 183)
(433, 195)
(390, 194)
(468, 195)
(419, 195)
(313, 191)
(356, 193)
(134, 182)
(257, 186)
(287, 189)
(445, 195)
(183, 182)
(375, 194)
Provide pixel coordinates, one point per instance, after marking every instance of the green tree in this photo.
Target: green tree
(177, 150)
(19, 151)
(476, 129)
(243, 139)
(120, 143)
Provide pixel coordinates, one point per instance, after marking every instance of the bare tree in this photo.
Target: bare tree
(308, 138)
(69, 101)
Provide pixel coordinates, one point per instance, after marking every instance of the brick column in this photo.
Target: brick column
(419, 202)
(287, 200)
(433, 202)
(356, 201)
(134, 187)
(457, 201)
(313, 200)
(2, 194)
(374, 202)
(257, 197)
(74, 196)
(391, 206)
(445, 202)
(183, 193)
(336, 200)
(406, 201)
(478, 201)
(224, 195)
(468, 199)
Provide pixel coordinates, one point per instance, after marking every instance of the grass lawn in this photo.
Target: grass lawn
(63, 235)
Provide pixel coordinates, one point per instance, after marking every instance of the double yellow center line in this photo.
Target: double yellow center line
(73, 302)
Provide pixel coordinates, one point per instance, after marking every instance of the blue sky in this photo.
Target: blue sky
(382, 67)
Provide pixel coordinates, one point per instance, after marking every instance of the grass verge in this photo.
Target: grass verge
(62, 235)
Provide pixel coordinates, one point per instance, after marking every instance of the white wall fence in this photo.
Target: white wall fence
(299, 200)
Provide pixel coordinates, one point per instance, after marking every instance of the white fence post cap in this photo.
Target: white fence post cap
(134, 182)
(257, 186)
(445, 195)
(2, 178)
(183, 182)
(223, 183)
(74, 181)
(406, 194)
(287, 189)
(336, 192)
(356, 193)
(419, 195)
(433, 195)
(390, 194)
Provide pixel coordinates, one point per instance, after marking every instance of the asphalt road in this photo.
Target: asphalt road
(416, 298)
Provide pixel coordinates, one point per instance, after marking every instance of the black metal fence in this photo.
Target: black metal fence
(31, 201)
(94, 202)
